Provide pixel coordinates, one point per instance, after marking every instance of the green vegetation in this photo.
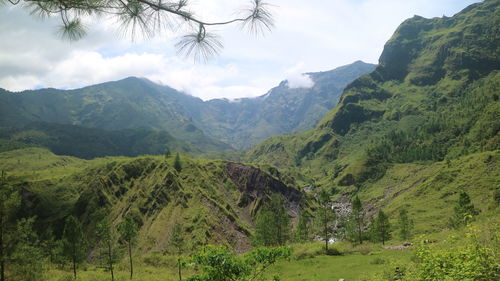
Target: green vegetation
(405, 225)
(411, 147)
(74, 242)
(325, 217)
(128, 232)
(464, 211)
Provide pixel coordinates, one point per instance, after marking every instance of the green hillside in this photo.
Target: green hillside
(90, 143)
(216, 125)
(419, 135)
(433, 99)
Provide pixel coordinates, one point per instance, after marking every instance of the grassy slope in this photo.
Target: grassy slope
(208, 198)
(433, 97)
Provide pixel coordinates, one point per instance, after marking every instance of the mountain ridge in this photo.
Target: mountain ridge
(214, 125)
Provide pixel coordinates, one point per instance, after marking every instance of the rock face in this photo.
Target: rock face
(256, 187)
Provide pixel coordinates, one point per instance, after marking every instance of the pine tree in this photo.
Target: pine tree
(357, 221)
(325, 217)
(302, 232)
(27, 256)
(177, 163)
(382, 228)
(464, 211)
(105, 234)
(272, 226)
(128, 232)
(10, 201)
(177, 242)
(405, 225)
(167, 152)
(73, 242)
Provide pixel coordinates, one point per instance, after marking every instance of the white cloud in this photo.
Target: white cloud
(320, 34)
(300, 81)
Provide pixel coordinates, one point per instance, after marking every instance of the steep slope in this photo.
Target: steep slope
(283, 110)
(134, 103)
(434, 97)
(214, 201)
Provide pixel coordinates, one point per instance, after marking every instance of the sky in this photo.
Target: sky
(309, 36)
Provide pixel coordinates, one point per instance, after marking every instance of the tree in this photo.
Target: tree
(177, 163)
(27, 256)
(10, 200)
(381, 228)
(464, 211)
(73, 242)
(356, 221)
(218, 263)
(128, 232)
(405, 225)
(272, 226)
(49, 243)
(167, 152)
(325, 216)
(150, 17)
(106, 237)
(177, 242)
(302, 232)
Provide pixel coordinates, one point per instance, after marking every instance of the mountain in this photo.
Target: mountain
(88, 143)
(134, 103)
(424, 124)
(131, 103)
(283, 110)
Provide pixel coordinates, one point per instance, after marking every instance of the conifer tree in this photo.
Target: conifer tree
(325, 217)
(10, 201)
(177, 242)
(464, 211)
(357, 221)
(128, 232)
(382, 227)
(167, 152)
(272, 226)
(405, 225)
(177, 163)
(106, 235)
(27, 255)
(302, 232)
(73, 242)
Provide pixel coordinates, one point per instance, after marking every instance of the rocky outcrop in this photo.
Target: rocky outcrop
(256, 187)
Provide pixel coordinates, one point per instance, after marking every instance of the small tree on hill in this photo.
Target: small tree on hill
(167, 153)
(128, 232)
(405, 225)
(106, 235)
(356, 223)
(272, 227)
(177, 163)
(325, 217)
(464, 211)
(382, 228)
(73, 242)
(303, 230)
(177, 242)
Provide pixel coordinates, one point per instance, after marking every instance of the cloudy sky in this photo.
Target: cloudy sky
(309, 36)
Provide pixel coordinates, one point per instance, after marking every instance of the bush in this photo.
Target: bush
(333, 251)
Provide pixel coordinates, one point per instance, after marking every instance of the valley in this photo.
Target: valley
(186, 189)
